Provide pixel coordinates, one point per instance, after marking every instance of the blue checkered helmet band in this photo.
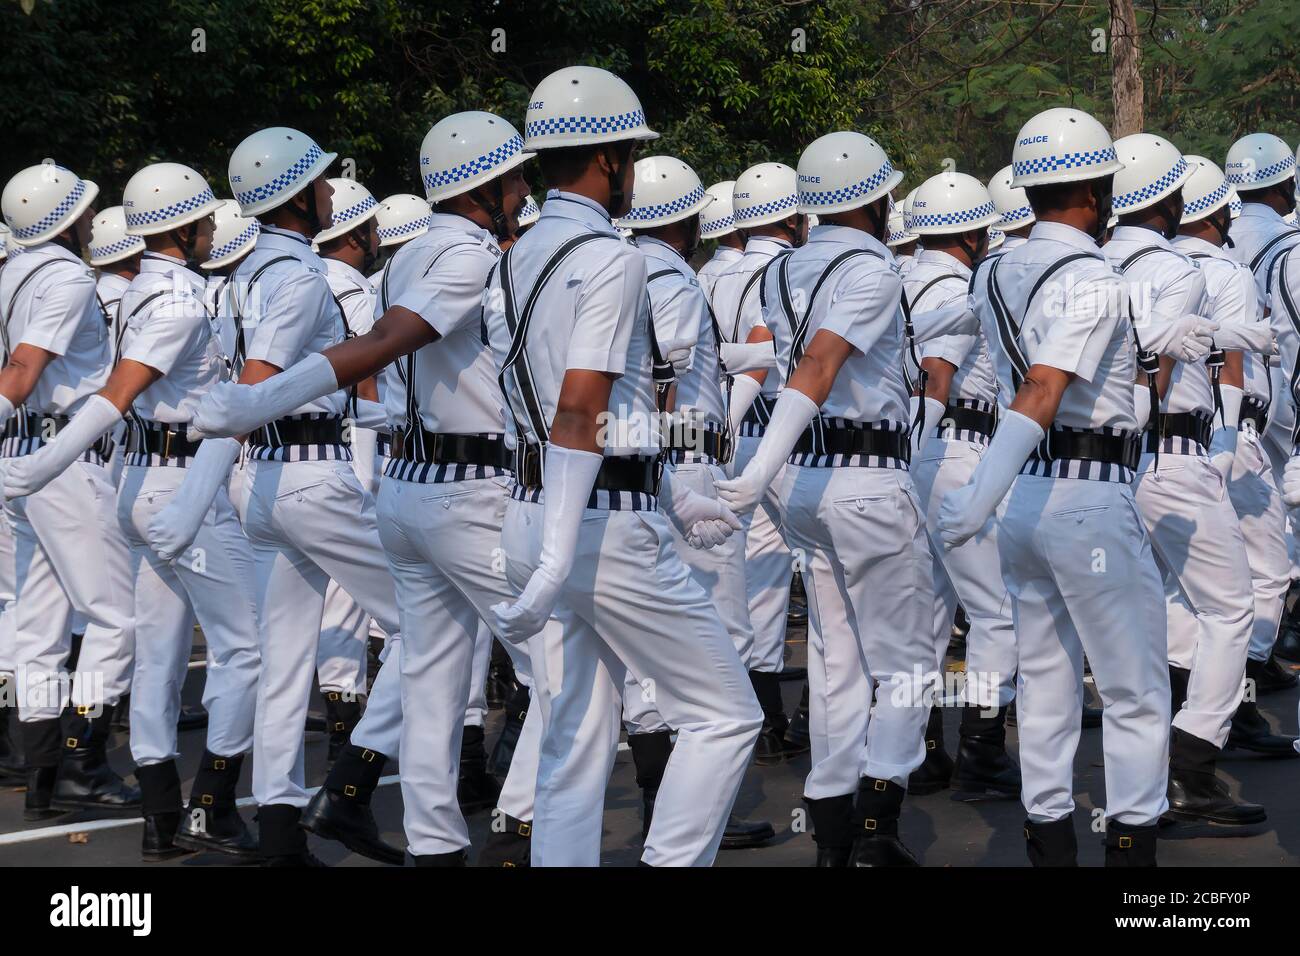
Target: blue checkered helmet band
(529, 208)
(481, 164)
(52, 218)
(584, 124)
(1249, 178)
(354, 212)
(1207, 201)
(1151, 190)
(1015, 215)
(930, 220)
(722, 222)
(230, 248)
(1048, 164)
(168, 213)
(406, 228)
(647, 213)
(129, 244)
(282, 182)
(766, 208)
(833, 197)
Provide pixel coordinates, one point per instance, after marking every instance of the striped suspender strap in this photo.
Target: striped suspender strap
(1293, 316)
(661, 369)
(1260, 256)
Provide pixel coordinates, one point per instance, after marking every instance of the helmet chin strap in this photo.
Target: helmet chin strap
(972, 250)
(1103, 209)
(495, 209)
(68, 240)
(311, 217)
(1221, 220)
(186, 246)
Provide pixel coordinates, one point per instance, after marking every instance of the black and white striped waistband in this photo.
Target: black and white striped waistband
(316, 451)
(601, 499)
(814, 460)
(437, 473)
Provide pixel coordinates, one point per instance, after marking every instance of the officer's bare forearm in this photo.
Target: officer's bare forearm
(398, 332)
(939, 384)
(128, 380)
(582, 411)
(23, 371)
(821, 362)
(1040, 395)
(1233, 371)
(758, 334)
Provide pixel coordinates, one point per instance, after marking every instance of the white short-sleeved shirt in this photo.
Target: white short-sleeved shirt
(1078, 322)
(1165, 285)
(861, 303)
(722, 259)
(938, 280)
(289, 314)
(440, 276)
(682, 320)
(357, 295)
(109, 287)
(1233, 299)
(906, 264)
(168, 328)
(592, 314)
(736, 298)
(57, 311)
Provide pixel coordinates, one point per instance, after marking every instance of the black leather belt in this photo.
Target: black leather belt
(701, 441)
(46, 425)
(854, 441)
(299, 431)
(760, 412)
(961, 417)
(156, 438)
(1255, 411)
(1125, 450)
(1180, 425)
(419, 444)
(638, 473)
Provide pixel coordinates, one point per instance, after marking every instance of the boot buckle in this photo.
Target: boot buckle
(929, 745)
(880, 785)
(207, 800)
(349, 790)
(368, 756)
(83, 710)
(1125, 842)
(524, 830)
(219, 763)
(868, 824)
(71, 743)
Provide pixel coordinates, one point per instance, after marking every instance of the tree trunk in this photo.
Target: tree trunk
(1126, 68)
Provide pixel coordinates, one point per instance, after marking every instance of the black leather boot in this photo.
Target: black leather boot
(341, 808)
(1130, 846)
(160, 803)
(1250, 731)
(797, 740)
(742, 834)
(283, 841)
(122, 714)
(342, 713)
(85, 780)
(193, 717)
(1196, 793)
(1051, 844)
(983, 769)
(935, 771)
(503, 752)
(796, 609)
(42, 745)
(1179, 679)
(212, 820)
(650, 753)
(455, 858)
(12, 766)
(875, 817)
(476, 789)
(1287, 644)
(832, 822)
(1270, 676)
(501, 681)
(509, 843)
(769, 750)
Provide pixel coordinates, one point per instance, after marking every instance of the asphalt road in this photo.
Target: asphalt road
(939, 830)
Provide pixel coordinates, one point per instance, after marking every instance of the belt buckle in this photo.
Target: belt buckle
(167, 442)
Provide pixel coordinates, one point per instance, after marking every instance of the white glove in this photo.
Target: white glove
(1247, 337)
(955, 319)
(1141, 405)
(30, 473)
(6, 410)
(1291, 482)
(229, 409)
(370, 415)
(934, 410)
(173, 529)
(1186, 339)
(680, 359)
(966, 509)
(688, 510)
(743, 392)
(1223, 443)
(568, 477)
(365, 452)
(791, 415)
(740, 357)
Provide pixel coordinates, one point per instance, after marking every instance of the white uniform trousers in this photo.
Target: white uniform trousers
(341, 652)
(309, 522)
(380, 727)
(1276, 444)
(1262, 516)
(213, 581)
(443, 543)
(1078, 565)
(870, 603)
(69, 553)
(631, 604)
(970, 575)
(477, 708)
(519, 789)
(1198, 543)
(7, 648)
(769, 568)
